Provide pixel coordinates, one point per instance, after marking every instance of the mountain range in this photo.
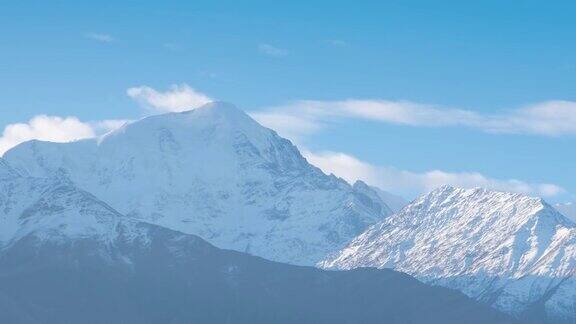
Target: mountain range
(511, 251)
(68, 257)
(171, 219)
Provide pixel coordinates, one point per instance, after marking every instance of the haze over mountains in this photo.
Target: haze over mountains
(394, 202)
(510, 251)
(128, 213)
(68, 257)
(567, 209)
(163, 276)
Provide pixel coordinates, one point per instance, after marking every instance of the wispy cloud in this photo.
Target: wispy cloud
(302, 118)
(176, 98)
(410, 184)
(104, 126)
(271, 50)
(104, 38)
(54, 129)
(551, 118)
(294, 127)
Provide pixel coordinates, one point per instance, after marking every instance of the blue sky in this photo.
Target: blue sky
(510, 66)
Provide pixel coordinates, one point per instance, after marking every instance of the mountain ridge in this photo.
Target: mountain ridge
(68, 257)
(180, 278)
(508, 250)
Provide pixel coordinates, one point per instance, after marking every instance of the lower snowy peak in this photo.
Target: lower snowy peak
(55, 210)
(512, 251)
(216, 173)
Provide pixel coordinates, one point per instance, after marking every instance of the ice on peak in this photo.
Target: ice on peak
(211, 112)
(215, 113)
(447, 189)
(221, 108)
(458, 203)
(216, 173)
(215, 122)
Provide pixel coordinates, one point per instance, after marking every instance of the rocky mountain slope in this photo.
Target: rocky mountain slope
(67, 257)
(53, 209)
(168, 277)
(216, 173)
(511, 251)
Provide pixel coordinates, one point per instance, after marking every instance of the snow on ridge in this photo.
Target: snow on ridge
(216, 173)
(508, 248)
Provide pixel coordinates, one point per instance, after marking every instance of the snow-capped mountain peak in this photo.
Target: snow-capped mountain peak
(508, 249)
(214, 172)
(56, 210)
(220, 116)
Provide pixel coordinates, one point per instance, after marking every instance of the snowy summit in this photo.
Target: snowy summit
(512, 251)
(216, 173)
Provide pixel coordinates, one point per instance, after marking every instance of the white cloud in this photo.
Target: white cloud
(53, 129)
(289, 126)
(104, 38)
(552, 118)
(344, 166)
(411, 183)
(105, 126)
(547, 118)
(66, 129)
(177, 98)
(272, 50)
(47, 128)
(302, 118)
